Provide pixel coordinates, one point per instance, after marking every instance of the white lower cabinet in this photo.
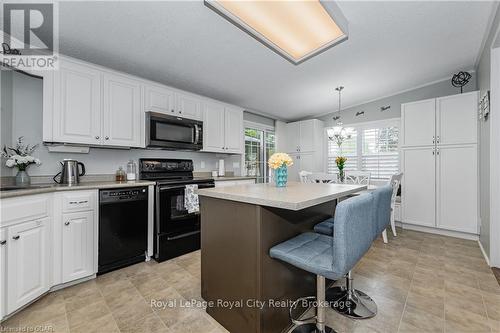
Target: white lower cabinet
(27, 262)
(3, 254)
(77, 245)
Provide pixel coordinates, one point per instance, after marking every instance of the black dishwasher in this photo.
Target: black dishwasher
(123, 227)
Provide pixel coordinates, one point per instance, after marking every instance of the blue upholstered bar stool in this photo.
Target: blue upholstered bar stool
(346, 300)
(330, 257)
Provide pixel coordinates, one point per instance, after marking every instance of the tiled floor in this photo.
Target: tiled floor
(420, 282)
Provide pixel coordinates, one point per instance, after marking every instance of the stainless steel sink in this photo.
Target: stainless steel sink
(30, 187)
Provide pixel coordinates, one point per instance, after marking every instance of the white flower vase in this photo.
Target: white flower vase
(22, 178)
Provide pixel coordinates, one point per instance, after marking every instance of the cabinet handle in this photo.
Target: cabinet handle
(437, 151)
(83, 201)
(97, 137)
(180, 111)
(78, 202)
(433, 152)
(438, 139)
(107, 138)
(66, 223)
(3, 242)
(433, 139)
(16, 237)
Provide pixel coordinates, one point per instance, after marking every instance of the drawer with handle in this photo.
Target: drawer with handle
(78, 201)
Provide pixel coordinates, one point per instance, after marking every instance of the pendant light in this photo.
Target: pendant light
(339, 133)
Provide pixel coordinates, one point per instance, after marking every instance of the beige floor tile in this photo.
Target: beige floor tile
(103, 324)
(148, 324)
(87, 315)
(196, 322)
(415, 319)
(462, 320)
(149, 284)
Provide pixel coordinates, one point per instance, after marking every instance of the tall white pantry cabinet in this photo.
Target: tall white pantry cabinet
(439, 161)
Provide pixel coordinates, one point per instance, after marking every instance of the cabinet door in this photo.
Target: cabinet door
(293, 170)
(293, 137)
(122, 111)
(457, 119)
(77, 109)
(418, 186)
(3, 271)
(188, 106)
(27, 262)
(306, 134)
(77, 245)
(213, 127)
(159, 99)
(233, 131)
(418, 120)
(457, 188)
(308, 163)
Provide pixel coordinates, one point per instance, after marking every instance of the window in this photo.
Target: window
(259, 146)
(373, 148)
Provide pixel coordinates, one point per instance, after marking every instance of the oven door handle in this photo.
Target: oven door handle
(187, 234)
(166, 188)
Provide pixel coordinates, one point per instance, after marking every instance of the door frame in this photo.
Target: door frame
(495, 159)
(264, 128)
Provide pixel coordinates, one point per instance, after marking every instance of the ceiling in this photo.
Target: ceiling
(392, 46)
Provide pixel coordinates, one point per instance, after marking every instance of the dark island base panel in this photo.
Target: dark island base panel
(235, 263)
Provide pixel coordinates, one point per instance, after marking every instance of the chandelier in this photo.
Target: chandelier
(339, 133)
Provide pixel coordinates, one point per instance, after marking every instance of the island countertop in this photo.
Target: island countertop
(295, 196)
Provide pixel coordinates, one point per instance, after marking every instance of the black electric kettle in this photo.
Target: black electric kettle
(70, 173)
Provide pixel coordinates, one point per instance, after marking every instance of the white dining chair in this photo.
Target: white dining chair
(303, 176)
(358, 177)
(395, 182)
(323, 178)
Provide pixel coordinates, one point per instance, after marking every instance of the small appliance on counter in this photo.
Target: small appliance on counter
(177, 230)
(222, 169)
(70, 173)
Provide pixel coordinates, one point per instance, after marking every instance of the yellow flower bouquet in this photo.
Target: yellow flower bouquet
(279, 163)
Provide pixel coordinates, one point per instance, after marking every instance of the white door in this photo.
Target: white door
(77, 245)
(418, 121)
(418, 186)
(233, 130)
(213, 127)
(159, 99)
(77, 107)
(3, 271)
(122, 111)
(293, 137)
(188, 106)
(457, 119)
(27, 262)
(457, 188)
(307, 134)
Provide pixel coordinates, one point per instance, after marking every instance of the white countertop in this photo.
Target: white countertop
(47, 188)
(295, 196)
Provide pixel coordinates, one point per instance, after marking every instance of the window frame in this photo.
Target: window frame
(360, 127)
(264, 128)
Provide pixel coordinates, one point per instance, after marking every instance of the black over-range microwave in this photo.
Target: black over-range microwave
(171, 132)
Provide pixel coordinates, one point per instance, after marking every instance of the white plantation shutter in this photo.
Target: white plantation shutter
(380, 154)
(349, 150)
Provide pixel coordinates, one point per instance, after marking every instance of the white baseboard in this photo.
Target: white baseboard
(484, 253)
(437, 231)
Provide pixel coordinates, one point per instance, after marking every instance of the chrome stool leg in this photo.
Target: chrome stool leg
(350, 302)
(319, 326)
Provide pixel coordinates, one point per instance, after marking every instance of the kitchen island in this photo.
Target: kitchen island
(245, 289)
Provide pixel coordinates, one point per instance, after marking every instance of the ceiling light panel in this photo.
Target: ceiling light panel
(297, 30)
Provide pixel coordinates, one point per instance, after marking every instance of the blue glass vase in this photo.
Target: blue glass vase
(281, 176)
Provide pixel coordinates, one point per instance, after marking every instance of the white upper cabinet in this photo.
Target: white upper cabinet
(77, 104)
(233, 130)
(77, 245)
(188, 106)
(159, 99)
(122, 113)
(457, 192)
(457, 119)
(213, 127)
(3, 270)
(419, 123)
(293, 137)
(27, 262)
(305, 136)
(222, 128)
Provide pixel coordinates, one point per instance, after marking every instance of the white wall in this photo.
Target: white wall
(27, 122)
(483, 82)
(5, 115)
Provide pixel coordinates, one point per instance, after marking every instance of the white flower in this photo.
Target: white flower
(37, 161)
(10, 163)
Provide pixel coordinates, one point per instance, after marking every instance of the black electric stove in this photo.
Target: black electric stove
(176, 230)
